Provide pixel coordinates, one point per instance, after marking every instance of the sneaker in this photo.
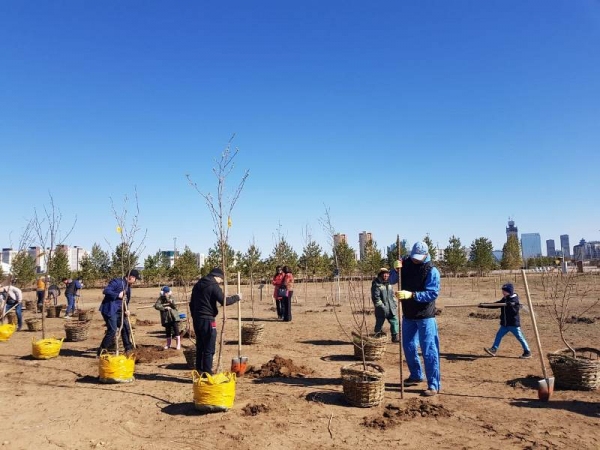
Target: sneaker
(490, 351)
(429, 393)
(526, 355)
(412, 381)
(166, 347)
(67, 316)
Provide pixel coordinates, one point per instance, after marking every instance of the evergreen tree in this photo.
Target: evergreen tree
(393, 256)
(312, 261)
(283, 255)
(214, 259)
(432, 248)
(123, 260)
(511, 254)
(344, 259)
(482, 256)
(100, 261)
(250, 263)
(23, 269)
(152, 270)
(58, 268)
(185, 270)
(455, 256)
(372, 260)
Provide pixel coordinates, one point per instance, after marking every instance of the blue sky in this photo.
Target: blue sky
(439, 117)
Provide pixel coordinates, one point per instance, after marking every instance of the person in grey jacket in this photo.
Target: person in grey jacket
(386, 306)
(169, 317)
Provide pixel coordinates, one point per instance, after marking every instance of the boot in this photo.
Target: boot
(168, 343)
(178, 339)
(395, 338)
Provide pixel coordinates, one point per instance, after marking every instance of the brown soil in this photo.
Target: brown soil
(485, 402)
(485, 316)
(145, 323)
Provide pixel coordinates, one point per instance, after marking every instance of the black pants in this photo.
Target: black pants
(286, 307)
(172, 329)
(206, 341)
(278, 302)
(40, 297)
(112, 327)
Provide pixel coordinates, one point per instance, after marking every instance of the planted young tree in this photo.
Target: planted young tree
(432, 248)
(215, 258)
(344, 259)
(283, 255)
(95, 266)
(455, 256)
(372, 260)
(23, 269)
(511, 254)
(48, 235)
(58, 267)
(184, 272)
(221, 208)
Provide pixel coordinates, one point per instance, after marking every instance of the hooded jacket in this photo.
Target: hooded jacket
(382, 295)
(205, 295)
(509, 312)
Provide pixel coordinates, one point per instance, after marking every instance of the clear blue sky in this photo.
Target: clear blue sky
(440, 117)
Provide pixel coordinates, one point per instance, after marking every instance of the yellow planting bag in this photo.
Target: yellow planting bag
(6, 331)
(46, 348)
(213, 393)
(116, 368)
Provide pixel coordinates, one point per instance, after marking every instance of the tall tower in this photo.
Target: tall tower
(531, 245)
(338, 239)
(564, 245)
(550, 249)
(363, 239)
(511, 229)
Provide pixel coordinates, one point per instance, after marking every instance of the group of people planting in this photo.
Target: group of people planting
(415, 276)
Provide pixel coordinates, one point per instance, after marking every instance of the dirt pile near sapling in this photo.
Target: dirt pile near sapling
(145, 354)
(486, 316)
(254, 410)
(280, 367)
(415, 408)
(582, 319)
(144, 323)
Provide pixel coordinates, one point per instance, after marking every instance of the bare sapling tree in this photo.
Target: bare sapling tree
(126, 253)
(356, 300)
(571, 297)
(220, 208)
(47, 229)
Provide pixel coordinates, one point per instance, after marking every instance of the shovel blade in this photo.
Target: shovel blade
(545, 388)
(239, 365)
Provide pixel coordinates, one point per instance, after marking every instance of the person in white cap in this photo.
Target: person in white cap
(420, 284)
(12, 299)
(169, 317)
(386, 307)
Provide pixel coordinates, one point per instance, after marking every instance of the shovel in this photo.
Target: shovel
(545, 386)
(239, 364)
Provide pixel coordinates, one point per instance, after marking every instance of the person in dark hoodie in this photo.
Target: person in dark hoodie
(510, 321)
(203, 306)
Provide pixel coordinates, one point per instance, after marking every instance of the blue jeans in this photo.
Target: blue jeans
(514, 330)
(112, 326)
(70, 304)
(422, 333)
(18, 311)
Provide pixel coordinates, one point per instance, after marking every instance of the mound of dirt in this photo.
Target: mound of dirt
(144, 323)
(279, 367)
(254, 410)
(414, 408)
(575, 319)
(487, 316)
(145, 354)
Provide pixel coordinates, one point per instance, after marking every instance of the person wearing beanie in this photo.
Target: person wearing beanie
(386, 307)
(114, 308)
(510, 321)
(206, 293)
(169, 317)
(420, 284)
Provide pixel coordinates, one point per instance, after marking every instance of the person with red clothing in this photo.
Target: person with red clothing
(276, 281)
(286, 300)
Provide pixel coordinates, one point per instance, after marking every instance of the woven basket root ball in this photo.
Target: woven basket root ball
(363, 386)
(76, 330)
(190, 357)
(252, 333)
(580, 373)
(85, 315)
(374, 346)
(34, 324)
(53, 311)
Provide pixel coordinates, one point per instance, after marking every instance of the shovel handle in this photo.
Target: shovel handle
(534, 323)
(239, 317)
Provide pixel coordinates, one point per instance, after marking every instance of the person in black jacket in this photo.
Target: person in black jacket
(203, 306)
(510, 320)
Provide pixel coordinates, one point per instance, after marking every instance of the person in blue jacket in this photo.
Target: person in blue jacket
(117, 291)
(510, 320)
(71, 289)
(420, 283)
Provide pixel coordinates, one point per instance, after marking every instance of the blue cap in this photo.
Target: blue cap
(508, 287)
(166, 289)
(420, 251)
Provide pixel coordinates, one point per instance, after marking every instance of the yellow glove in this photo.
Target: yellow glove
(397, 264)
(404, 295)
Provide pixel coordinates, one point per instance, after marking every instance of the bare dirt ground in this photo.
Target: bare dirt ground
(485, 402)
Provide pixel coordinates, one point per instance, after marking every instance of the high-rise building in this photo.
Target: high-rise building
(338, 239)
(564, 245)
(363, 239)
(586, 250)
(531, 245)
(74, 254)
(511, 229)
(39, 256)
(550, 249)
